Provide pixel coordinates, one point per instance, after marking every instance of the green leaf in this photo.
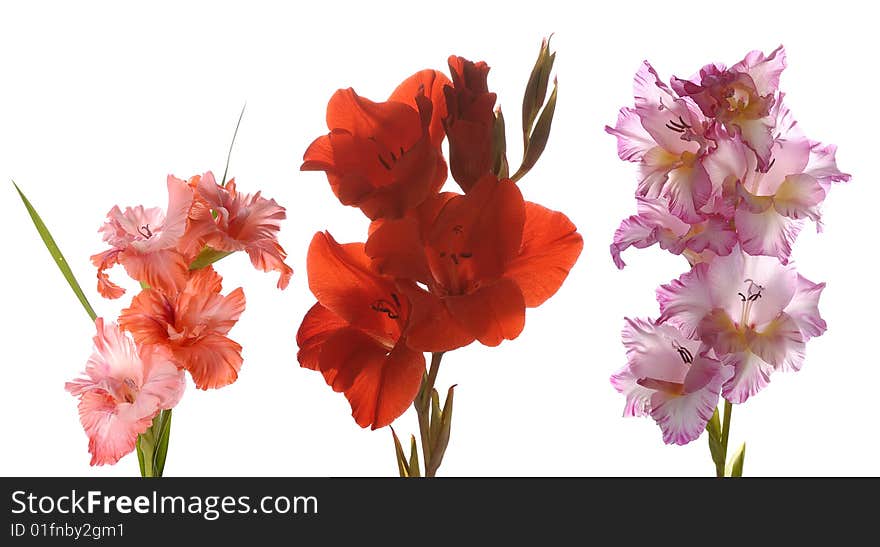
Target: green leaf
(538, 139)
(141, 458)
(207, 257)
(49, 241)
(402, 465)
(735, 469)
(414, 470)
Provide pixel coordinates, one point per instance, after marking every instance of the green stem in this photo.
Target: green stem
(725, 428)
(725, 435)
(422, 405)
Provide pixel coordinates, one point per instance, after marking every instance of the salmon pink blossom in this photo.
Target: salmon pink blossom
(231, 221)
(124, 387)
(146, 241)
(193, 325)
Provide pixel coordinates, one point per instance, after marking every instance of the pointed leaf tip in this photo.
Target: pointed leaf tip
(56, 254)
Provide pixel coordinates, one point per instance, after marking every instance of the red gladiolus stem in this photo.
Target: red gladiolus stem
(422, 405)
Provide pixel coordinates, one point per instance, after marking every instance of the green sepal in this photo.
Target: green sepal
(402, 464)
(536, 89)
(735, 468)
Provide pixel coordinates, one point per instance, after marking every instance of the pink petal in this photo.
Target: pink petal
(804, 308)
(780, 343)
(638, 398)
(751, 375)
(764, 71)
(267, 255)
(767, 233)
(656, 106)
(632, 139)
(799, 197)
(683, 418)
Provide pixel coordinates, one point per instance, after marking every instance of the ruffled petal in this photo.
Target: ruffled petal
(638, 397)
(633, 141)
(804, 308)
(268, 256)
(764, 70)
(750, 376)
(111, 434)
(213, 360)
(767, 233)
(780, 344)
(104, 261)
(317, 326)
(683, 418)
(166, 270)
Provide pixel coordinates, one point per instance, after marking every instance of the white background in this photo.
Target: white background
(99, 102)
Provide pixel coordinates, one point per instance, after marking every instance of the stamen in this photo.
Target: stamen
(384, 163)
(393, 157)
(685, 353)
(382, 306)
(465, 255)
(396, 299)
(458, 229)
(145, 228)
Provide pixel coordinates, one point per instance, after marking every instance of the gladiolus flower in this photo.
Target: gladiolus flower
(670, 378)
(715, 236)
(193, 325)
(754, 312)
(484, 257)
(384, 158)
(123, 389)
(231, 221)
(667, 136)
(146, 242)
(740, 98)
(354, 335)
(768, 207)
(469, 125)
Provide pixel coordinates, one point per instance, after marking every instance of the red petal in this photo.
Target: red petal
(396, 249)
(378, 385)
(340, 277)
(431, 327)
(491, 314)
(550, 247)
(487, 223)
(432, 83)
(317, 326)
(393, 124)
